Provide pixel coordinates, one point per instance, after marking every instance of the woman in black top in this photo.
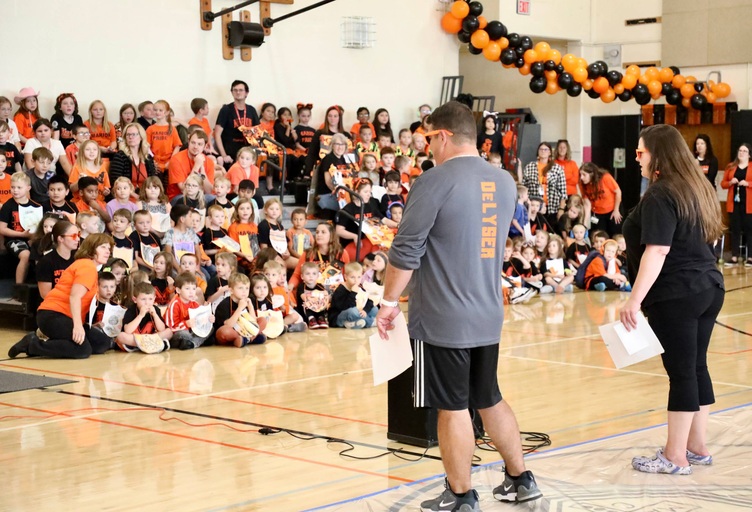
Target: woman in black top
(737, 179)
(321, 142)
(347, 228)
(51, 265)
(678, 286)
(706, 158)
(323, 180)
(288, 137)
(134, 160)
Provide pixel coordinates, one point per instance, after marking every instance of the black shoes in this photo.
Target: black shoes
(22, 347)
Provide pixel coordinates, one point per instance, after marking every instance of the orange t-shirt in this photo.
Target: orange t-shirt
(571, 174)
(606, 202)
(83, 206)
(280, 290)
(101, 136)
(102, 177)
(162, 143)
(355, 131)
(203, 123)
(72, 153)
(236, 174)
(83, 272)
(5, 188)
(25, 124)
(181, 165)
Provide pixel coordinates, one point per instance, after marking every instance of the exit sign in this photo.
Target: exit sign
(523, 7)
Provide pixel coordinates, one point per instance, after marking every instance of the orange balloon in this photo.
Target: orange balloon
(666, 75)
(608, 96)
(552, 87)
(652, 73)
(508, 66)
(644, 79)
(722, 90)
(550, 75)
(600, 85)
(503, 43)
(629, 81)
(483, 22)
(633, 70)
(479, 39)
(460, 9)
(678, 81)
(492, 51)
(450, 24)
(686, 102)
(525, 70)
(691, 78)
(542, 47)
(656, 96)
(569, 62)
(581, 63)
(655, 87)
(530, 56)
(687, 90)
(587, 84)
(554, 55)
(579, 74)
(711, 97)
(618, 88)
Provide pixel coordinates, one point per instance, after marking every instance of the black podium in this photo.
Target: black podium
(410, 425)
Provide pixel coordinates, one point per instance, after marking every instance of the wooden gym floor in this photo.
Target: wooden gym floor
(180, 430)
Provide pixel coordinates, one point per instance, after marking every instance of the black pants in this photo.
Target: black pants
(605, 223)
(59, 328)
(610, 284)
(740, 223)
(683, 326)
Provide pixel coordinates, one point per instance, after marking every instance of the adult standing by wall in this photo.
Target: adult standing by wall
(669, 236)
(737, 178)
(61, 315)
(545, 178)
(134, 160)
(226, 134)
(706, 157)
(602, 196)
(456, 361)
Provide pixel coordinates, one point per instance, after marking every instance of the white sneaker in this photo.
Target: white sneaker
(358, 324)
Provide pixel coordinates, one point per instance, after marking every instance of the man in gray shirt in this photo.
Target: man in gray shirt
(450, 247)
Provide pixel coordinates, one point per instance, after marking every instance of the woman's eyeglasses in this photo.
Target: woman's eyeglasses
(73, 236)
(640, 152)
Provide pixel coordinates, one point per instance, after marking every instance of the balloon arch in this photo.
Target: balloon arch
(553, 72)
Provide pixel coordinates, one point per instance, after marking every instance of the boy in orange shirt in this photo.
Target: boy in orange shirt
(89, 200)
(80, 135)
(177, 317)
(602, 276)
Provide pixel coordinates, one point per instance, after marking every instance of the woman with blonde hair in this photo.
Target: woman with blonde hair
(669, 236)
(134, 160)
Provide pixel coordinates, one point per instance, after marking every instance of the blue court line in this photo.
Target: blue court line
(496, 463)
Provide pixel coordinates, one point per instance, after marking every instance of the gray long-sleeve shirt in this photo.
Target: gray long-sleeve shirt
(452, 235)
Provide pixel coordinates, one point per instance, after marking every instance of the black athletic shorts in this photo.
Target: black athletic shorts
(455, 379)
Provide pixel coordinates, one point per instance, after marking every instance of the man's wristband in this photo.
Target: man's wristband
(389, 303)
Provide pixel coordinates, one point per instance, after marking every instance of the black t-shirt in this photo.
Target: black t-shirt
(51, 266)
(709, 168)
(161, 290)
(12, 156)
(740, 192)
(137, 239)
(264, 228)
(66, 129)
(280, 135)
(9, 215)
(214, 284)
(305, 135)
(208, 236)
(67, 207)
(38, 190)
(124, 243)
(225, 310)
(488, 144)
(230, 118)
(388, 200)
(324, 166)
(690, 264)
(145, 123)
(520, 270)
(414, 126)
(343, 299)
(146, 326)
(370, 211)
(575, 250)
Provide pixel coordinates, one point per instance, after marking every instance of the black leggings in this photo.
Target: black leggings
(59, 328)
(683, 326)
(605, 223)
(610, 284)
(740, 223)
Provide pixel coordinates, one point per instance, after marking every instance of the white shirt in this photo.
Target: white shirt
(14, 137)
(55, 146)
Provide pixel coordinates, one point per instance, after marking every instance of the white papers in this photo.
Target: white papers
(29, 217)
(112, 320)
(148, 252)
(278, 240)
(160, 221)
(628, 348)
(125, 254)
(201, 323)
(377, 192)
(227, 243)
(391, 357)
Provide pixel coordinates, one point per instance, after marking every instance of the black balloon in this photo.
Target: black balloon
(593, 94)
(676, 70)
(519, 62)
(496, 30)
(514, 39)
(559, 69)
(463, 36)
(673, 97)
(474, 50)
(603, 67)
(537, 69)
(470, 24)
(549, 65)
(508, 56)
(574, 90)
(641, 94)
(625, 96)
(520, 51)
(698, 101)
(593, 71)
(476, 8)
(613, 77)
(666, 88)
(538, 84)
(526, 42)
(699, 87)
(565, 80)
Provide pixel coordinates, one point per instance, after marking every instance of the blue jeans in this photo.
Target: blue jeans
(353, 315)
